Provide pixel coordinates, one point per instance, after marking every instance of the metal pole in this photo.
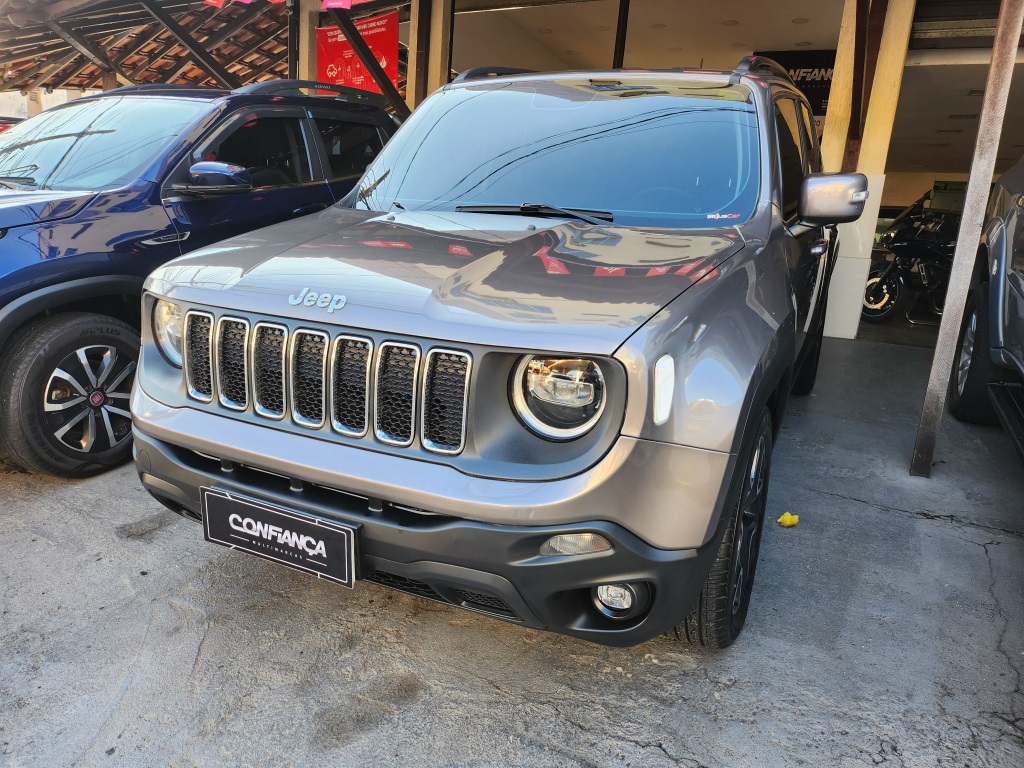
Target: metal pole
(293, 40)
(993, 111)
(620, 35)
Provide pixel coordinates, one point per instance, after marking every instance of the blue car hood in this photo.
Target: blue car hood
(19, 208)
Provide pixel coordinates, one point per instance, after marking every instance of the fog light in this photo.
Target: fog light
(575, 544)
(618, 597)
(622, 601)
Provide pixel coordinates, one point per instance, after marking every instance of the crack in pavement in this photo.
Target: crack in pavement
(921, 514)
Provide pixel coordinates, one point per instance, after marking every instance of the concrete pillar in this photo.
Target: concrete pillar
(847, 290)
(440, 56)
(419, 51)
(308, 13)
(840, 95)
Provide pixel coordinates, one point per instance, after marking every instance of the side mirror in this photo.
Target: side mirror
(209, 178)
(832, 198)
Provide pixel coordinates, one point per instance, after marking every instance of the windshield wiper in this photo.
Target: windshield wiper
(597, 218)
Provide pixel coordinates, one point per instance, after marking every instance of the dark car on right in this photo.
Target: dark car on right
(988, 367)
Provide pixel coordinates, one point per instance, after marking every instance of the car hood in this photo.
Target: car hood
(19, 208)
(507, 281)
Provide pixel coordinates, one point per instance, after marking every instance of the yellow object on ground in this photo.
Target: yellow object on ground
(787, 520)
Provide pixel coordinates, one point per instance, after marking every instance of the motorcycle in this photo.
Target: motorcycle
(915, 257)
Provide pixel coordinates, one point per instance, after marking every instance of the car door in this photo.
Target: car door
(277, 147)
(348, 143)
(803, 244)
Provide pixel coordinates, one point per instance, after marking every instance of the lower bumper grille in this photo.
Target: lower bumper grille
(464, 598)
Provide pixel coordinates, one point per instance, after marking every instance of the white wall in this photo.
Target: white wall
(494, 39)
(13, 104)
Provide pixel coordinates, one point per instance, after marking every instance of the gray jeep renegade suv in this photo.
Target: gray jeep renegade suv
(532, 366)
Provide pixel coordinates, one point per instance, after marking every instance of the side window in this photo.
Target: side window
(271, 148)
(813, 148)
(350, 146)
(787, 126)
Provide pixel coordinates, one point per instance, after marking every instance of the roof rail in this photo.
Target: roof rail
(161, 87)
(761, 65)
(478, 73)
(294, 87)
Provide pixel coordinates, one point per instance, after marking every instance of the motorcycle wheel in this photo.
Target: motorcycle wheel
(882, 300)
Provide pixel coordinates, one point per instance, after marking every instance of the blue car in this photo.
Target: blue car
(97, 193)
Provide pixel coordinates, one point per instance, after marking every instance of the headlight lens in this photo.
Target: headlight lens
(167, 329)
(558, 398)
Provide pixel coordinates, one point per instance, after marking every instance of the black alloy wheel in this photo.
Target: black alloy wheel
(65, 392)
(721, 610)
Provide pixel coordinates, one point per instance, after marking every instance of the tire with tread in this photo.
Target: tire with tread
(28, 361)
(972, 404)
(721, 610)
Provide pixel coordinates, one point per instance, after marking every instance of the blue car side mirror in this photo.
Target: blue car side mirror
(209, 178)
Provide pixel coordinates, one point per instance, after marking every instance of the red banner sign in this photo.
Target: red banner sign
(338, 64)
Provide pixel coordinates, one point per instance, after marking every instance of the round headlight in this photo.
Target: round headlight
(558, 398)
(167, 330)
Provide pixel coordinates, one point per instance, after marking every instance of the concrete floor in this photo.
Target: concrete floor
(887, 627)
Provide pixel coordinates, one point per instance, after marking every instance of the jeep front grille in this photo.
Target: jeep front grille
(309, 369)
(444, 396)
(395, 402)
(198, 370)
(350, 382)
(325, 381)
(232, 387)
(268, 360)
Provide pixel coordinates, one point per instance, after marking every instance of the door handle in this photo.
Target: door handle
(820, 248)
(309, 209)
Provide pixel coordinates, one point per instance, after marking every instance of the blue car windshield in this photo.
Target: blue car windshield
(93, 144)
(651, 152)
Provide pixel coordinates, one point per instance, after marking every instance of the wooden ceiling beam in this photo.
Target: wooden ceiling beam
(225, 33)
(204, 57)
(88, 49)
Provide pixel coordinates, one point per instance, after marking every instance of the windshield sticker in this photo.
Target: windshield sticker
(723, 215)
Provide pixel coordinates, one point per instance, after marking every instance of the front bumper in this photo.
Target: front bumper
(434, 552)
(490, 569)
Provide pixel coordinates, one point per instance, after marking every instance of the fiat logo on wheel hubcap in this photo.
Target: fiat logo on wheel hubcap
(96, 399)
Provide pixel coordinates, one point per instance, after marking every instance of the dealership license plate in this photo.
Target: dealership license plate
(303, 542)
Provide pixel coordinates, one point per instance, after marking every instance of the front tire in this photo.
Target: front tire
(721, 610)
(64, 398)
(883, 299)
(972, 369)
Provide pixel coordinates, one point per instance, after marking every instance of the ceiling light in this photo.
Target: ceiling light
(573, 53)
(545, 31)
(658, 26)
(976, 92)
(801, 20)
(676, 48)
(602, 28)
(730, 23)
(741, 45)
(949, 130)
(804, 44)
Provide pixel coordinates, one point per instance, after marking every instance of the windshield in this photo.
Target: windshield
(93, 145)
(667, 153)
